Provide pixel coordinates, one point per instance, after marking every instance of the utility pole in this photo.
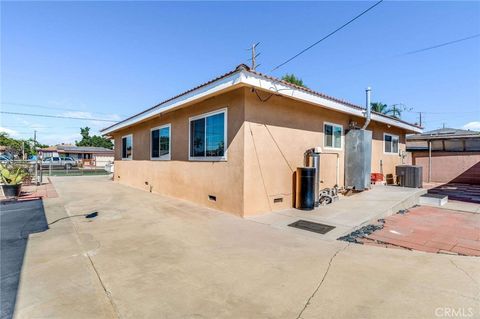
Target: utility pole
(420, 118)
(36, 156)
(254, 55)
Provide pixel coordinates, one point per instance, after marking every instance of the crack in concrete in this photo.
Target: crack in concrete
(322, 281)
(86, 253)
(107, 292)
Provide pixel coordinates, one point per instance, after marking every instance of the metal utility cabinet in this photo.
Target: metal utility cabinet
(358, 159)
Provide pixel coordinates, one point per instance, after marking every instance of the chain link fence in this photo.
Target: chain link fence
(38, 171)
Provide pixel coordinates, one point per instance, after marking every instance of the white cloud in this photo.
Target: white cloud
(10, 132)
(475, 126)
(54, 139)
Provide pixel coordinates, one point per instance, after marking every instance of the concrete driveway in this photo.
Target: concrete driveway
(149, 256)
(17, 221)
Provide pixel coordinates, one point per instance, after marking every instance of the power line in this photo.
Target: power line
(59, 117)
(371, 61)
(441, 45)
(448, 112)
(34, 127)
(327, 36)
(49, 107)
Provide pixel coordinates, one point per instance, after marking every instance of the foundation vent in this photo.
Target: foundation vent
(278, 200)
(212, 198)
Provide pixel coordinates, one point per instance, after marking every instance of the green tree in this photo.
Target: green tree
(291, 78)
(393, 111)
(16, 146)
(95, 140)
(379, 107)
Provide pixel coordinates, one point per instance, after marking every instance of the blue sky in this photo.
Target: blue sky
(108, 60)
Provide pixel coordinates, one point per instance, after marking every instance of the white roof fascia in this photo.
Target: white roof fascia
(282, 89)
(258, 81)
(203, 91)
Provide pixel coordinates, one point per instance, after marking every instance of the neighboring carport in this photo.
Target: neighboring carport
(447, 155)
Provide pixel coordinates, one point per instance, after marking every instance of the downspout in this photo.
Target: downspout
(368, 111)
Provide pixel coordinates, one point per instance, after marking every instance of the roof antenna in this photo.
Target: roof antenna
(254, 56)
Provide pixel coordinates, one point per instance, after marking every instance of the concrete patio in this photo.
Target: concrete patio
(348, 213)
(150, 256)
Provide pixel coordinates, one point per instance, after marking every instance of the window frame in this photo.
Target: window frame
(121, 150)
(225, 136)
(392, 136)
(325, 136)
(167, 157)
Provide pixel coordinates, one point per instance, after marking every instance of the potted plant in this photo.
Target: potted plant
(11, 179)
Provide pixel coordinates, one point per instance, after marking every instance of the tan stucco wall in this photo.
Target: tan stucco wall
(266, 143)
(449, 166)
(179, 177)
(278, 132)
(382, 162)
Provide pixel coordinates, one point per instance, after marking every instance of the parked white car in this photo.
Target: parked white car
(59, 162)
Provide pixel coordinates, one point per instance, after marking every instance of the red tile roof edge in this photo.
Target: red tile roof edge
(244, 67)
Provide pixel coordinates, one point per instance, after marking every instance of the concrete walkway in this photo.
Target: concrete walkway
(348, 213)
(149, 256)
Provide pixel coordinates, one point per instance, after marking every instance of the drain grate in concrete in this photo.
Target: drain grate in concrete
(311, 226)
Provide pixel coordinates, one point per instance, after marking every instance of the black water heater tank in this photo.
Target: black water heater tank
(305, 188)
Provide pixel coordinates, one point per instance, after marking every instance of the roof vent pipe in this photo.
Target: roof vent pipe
(368, 113)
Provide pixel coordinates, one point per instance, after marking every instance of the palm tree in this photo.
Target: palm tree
(379, 107)
(393, 111)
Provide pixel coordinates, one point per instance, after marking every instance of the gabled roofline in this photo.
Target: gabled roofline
(243, 76)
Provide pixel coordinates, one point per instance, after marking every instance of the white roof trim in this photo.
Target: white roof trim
(199, 93)
(298, 94)
(261, 82)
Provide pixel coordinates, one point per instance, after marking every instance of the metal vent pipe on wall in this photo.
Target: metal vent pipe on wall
(312, 159)
(358, 152)
(368, 106)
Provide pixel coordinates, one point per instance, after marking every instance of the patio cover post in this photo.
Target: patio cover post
(429, 161)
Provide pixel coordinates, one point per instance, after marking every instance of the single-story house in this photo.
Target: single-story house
(234, 143)
(87, 155)
(447, 155)
(50, 151)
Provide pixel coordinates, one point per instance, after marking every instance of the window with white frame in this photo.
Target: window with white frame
(332, 135)
(208, 136)
(160, 144)
(390, 143)
(127, 147)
